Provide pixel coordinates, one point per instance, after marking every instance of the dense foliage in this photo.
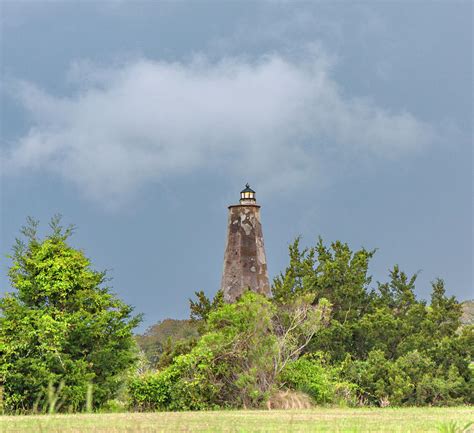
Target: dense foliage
(395, 348)
(237, 360)
(328, 332)
(379, 346)
(63, 334)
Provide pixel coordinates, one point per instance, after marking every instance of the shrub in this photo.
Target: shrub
(313, 375)
(309, 375)
(413, 379)
(181, 386)
(150, 391)
(236, 362)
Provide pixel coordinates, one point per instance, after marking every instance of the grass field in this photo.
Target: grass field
(407, 420)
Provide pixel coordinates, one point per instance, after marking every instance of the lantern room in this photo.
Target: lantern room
(247, 195)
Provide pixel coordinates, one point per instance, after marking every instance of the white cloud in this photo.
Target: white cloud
(273, 119)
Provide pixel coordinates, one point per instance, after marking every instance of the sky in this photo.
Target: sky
(140, 122)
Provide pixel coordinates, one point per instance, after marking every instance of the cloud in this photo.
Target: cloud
(273, 119)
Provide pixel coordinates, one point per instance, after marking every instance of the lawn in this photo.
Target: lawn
(414, 420)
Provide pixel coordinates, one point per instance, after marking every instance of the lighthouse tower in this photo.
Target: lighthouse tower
(245, 265)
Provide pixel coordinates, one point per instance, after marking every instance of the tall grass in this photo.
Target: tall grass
(89, 397)
(51, 400)
(1, 401)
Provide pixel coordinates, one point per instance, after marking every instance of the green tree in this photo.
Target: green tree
(61, 325)
(203, 306)
(335, 273)
(339, 275)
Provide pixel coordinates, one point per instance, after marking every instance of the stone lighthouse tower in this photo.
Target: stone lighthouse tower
(245, 265)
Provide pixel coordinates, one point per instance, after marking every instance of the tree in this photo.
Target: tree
(335, 273)
(339, 275)
(61, 325)
(203, 306)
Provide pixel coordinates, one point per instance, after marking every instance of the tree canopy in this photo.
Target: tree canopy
(61, 326)
(382, 330)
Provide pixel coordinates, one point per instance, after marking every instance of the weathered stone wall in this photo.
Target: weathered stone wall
(245, 264)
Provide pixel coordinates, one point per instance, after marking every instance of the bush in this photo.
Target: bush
(228, 366)
(181, 386)
(150, 392)
(313, 375)
(309, 375)
(236, 362)
(413, 379)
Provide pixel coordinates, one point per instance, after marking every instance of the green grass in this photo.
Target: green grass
(333, 420)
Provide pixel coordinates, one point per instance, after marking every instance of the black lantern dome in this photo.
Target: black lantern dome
(247, 195)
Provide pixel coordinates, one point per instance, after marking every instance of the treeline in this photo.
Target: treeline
(162, 339)
(328, 334)
(371, 346)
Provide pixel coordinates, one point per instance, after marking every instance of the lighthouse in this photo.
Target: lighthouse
(245, 264)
